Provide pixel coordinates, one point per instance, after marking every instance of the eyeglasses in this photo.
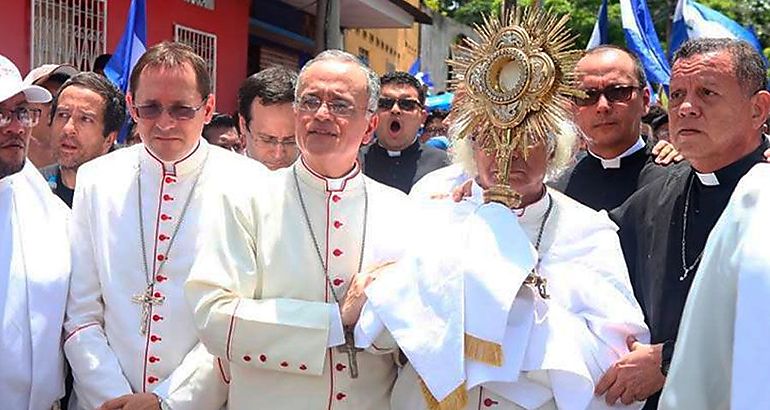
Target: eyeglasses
(28, 117)
(338, 108)
(177, 112)
(613, 93)
(289, 143)
(403, 103)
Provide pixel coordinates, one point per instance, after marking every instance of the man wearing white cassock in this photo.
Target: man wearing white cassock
(130, 334)
(34, 258)
(721, 359)
(466, 285)
(283, 270)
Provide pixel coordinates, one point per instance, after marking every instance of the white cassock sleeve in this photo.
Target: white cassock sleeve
(197, 383)
(281, 334)
(721, 358)
(95, 367)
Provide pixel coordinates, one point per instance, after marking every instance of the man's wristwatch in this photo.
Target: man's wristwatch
(666, 354)
(162, 403)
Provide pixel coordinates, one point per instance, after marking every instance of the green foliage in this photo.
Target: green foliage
(755, 13)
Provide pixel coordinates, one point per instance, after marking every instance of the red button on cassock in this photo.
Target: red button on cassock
(284, 364)
(154, 359)
(152, 379)
(170, 180)
(164, 217)
(160, 278)
(338, 281)
(336, 198)
(158, 294)
(246, 358)
(160, 258)
(262, 358)
(163, 237)
(302, 367)
(341, 396)
(337, 224)
(489, 402)
(167, 197)
(155, 338)
(337, 252)
(157, 318)
(340, 367)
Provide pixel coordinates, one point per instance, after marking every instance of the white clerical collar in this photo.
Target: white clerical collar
(533, 213)
(708, 179)
(396, 153)
(614, 163)
(189, 162)
(329, 184)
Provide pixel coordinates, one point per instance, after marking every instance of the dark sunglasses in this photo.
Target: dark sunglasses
(403, 103)
(613, 93)
(177, 112)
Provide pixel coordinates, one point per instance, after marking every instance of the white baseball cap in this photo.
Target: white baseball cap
(42, 73)
(12, 84)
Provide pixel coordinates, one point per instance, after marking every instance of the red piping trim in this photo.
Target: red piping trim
(222, 371)
(481, 394)
(230, 332)
(174, 164)
(77, 329)
(331, 379)
(356, 170)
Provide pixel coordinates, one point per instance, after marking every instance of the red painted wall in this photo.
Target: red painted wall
(229, 21)
(14, 33)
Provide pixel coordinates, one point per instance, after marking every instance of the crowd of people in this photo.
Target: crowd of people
(329, 245)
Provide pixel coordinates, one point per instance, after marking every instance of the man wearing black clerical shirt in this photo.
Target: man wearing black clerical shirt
(397, 158)
(718, 103)
(618, 161)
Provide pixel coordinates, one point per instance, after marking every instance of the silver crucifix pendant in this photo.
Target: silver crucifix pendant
(147, 300)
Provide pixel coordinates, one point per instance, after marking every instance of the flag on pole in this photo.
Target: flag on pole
(132, 45)
(642, 39)
(694, 20)
(422, 76)
(601, 29)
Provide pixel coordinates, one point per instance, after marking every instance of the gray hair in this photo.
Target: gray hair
(748, 66)
(372, 79)
(560, 146)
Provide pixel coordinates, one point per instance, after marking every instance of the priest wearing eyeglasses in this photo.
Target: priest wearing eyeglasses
(278, 285)
(718, 106)
(619, 161)
(397, 158)
(130, 336)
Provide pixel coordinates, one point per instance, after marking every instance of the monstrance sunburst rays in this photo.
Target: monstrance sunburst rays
(513, 86)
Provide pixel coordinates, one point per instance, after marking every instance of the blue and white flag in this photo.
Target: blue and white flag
(132, 45)
(694, 20)
(600, 35)
(642, 39)
(422, 76)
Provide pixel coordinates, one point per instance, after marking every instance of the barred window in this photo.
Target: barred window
(68, 31)
(204, 44)
(209, 4)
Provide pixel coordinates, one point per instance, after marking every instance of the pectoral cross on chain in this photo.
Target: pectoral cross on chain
(350, 349)
(147, 300)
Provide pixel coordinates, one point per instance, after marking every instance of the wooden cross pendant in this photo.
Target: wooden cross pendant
(147, 300)
(350, 349)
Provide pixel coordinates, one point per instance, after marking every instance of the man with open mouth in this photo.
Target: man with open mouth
(397, 158)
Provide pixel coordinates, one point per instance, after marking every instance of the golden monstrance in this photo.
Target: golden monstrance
(515, 87)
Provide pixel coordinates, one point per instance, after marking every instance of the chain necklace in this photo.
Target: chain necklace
(687, 268)
(533, 279)
(315, 241)
(148, 299)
